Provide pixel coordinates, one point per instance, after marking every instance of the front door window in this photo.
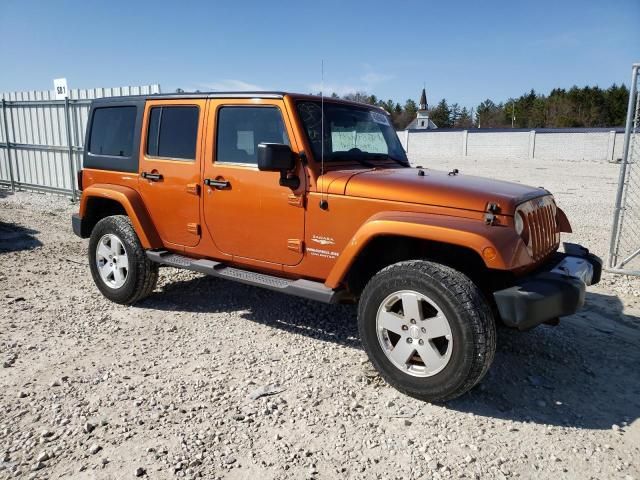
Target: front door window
(241, 129)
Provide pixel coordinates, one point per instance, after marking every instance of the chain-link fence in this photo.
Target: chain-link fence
(624, 253)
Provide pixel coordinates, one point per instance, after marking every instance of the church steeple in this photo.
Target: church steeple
(423, 100)
(422, 120)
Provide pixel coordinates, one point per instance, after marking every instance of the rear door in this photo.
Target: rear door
(170, 168)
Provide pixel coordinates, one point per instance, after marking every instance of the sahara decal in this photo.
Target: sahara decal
(322, 240)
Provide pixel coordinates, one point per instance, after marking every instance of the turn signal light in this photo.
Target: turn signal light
(489, 253)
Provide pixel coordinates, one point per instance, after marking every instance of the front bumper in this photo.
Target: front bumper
(558, 289)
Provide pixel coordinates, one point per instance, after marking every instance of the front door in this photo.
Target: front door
(247, 213)
(170, 168)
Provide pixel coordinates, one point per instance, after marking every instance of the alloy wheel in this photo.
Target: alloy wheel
(112, 261)
(414, 333)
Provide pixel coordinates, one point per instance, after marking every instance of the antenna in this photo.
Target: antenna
(322, 117)
(324, 204)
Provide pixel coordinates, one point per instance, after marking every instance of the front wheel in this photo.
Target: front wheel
(119, 265)
(427, 329)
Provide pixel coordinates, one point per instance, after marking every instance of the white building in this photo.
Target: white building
(422, 120)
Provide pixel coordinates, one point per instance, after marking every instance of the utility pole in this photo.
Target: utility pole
(513, 113)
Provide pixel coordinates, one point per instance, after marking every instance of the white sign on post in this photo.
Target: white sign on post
(60, 87)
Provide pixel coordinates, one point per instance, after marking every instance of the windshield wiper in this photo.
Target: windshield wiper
(385, 156)
(357, 158)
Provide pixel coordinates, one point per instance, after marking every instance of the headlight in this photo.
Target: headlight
(519, 223)
(521, 226)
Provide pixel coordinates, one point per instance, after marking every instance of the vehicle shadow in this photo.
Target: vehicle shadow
(583, 373)
(14, 237)
(5, 192)
(332, 323)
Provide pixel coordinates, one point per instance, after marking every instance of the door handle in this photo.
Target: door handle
(218, 184)
(154, 177)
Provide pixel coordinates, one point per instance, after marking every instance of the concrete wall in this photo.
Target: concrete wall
(596, 145)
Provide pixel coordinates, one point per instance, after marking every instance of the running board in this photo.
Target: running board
(300, 288)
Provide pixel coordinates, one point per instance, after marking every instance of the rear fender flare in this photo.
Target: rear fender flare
(132, 203)
(510, 251)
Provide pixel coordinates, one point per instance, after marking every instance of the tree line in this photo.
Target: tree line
(561, 108)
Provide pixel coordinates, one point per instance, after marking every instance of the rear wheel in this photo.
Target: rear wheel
(119, 265)
(427, 329)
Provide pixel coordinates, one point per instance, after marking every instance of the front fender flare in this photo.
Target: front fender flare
(510, 251)
(132, 203)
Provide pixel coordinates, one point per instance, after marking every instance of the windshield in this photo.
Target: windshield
(350, 133)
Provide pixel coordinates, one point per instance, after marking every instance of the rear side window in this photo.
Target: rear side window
(112, 131)
(241, 129)
(173, 132)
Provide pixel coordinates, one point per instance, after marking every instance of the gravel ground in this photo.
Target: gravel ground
(163, 389)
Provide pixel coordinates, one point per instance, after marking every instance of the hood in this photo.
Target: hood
(439, 188)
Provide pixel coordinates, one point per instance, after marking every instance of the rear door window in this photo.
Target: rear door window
(173, 132)
(112, 131)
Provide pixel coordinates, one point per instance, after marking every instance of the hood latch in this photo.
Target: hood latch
(490, 216)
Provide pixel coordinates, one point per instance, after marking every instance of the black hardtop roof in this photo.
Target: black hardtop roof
(199, 95)
(162, 96)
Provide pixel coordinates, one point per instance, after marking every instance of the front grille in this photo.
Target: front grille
(544, 238)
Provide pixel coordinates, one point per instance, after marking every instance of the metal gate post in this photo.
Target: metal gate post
(72, 168)
(613, 254)
(6, 139)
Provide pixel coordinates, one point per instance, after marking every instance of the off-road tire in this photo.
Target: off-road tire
(142, 276)
(469, 316)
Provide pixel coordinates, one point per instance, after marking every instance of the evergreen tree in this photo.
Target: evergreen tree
(441, 114)
(454, 115)
(410, 108)
(464, 120)
(489, 115)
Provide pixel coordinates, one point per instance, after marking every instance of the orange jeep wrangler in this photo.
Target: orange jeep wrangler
(316, 198)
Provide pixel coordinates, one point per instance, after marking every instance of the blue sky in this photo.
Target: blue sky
(465, 51)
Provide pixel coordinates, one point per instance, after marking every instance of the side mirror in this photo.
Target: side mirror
(275, 157)
(278, 157)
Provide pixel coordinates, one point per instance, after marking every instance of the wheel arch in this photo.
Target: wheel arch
(395, 236)
(102, 200)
